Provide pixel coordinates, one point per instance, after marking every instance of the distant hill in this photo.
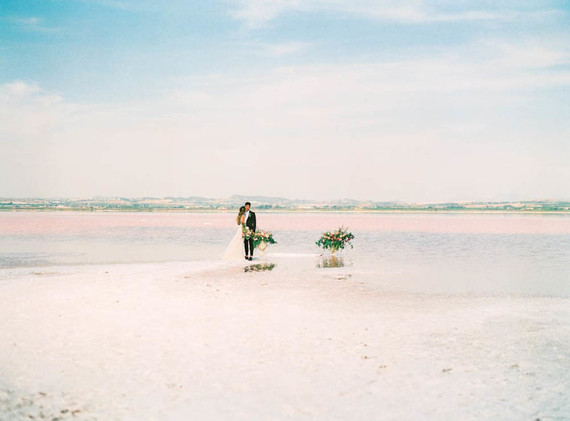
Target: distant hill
(190, 203)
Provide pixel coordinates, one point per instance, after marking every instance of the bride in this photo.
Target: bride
(235, 250)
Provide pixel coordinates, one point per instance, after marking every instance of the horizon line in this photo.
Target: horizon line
(255, 197)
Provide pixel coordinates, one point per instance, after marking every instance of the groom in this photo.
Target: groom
(249, 223)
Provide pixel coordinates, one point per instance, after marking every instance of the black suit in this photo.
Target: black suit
(248, 243)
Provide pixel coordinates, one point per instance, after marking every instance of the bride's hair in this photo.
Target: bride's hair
(241, 212)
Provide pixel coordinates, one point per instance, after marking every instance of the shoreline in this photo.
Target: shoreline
(216, 267)
(333, 211)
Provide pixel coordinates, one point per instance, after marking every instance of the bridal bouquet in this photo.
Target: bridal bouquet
(247, 233)
(335, 240)
(263, 237)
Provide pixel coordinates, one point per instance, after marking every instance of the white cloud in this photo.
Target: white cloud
(257, 13)
(33, 24)
(531, 54)
(275, 49)
(130, 5)
(285, 48)
(26, 109)
(397, 129)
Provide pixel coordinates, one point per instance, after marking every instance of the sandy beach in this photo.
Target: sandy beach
(208, 341)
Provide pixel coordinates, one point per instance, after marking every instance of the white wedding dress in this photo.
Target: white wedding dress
(235, 250)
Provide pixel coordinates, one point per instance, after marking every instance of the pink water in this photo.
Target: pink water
(487, 253)
(71, 222)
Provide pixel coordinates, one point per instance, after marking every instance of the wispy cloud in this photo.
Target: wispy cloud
(128, 5)
(144, 6)
(441, 115)
(32, 24)
(276, 49)
(257, 13)
(27, 110)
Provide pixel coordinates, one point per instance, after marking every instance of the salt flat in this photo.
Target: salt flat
(208, 341)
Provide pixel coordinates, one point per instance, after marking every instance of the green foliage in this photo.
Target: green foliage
(263, 236)
(258, 236)
(246, 232)
(335, 240)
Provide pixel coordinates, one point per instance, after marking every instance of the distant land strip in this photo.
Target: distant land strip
(195, 203)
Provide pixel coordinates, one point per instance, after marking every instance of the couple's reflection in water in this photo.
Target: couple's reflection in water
(259, 267)
(323, 262)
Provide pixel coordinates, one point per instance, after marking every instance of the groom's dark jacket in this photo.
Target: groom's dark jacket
(250, 223)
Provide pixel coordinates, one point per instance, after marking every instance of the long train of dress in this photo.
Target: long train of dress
(235, 250)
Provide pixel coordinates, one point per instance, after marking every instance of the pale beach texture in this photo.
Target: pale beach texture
(165, 342)
(207, 340)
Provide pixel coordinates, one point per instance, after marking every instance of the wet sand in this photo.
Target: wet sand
(180, 341)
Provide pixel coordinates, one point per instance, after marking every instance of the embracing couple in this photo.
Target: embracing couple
(245, 221)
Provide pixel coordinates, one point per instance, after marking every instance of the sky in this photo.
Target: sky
(421, 101)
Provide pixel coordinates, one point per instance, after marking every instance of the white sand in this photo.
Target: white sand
(182, 341)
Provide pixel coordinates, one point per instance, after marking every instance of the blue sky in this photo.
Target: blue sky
(383, 100)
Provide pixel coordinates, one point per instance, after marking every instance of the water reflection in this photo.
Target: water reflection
(259, 267)
(331, 262)
(514, 254)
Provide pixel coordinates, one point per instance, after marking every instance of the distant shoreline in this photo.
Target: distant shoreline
(278, 204)
(359, 211)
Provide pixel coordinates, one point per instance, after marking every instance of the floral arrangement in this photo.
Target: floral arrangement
(263, 237)
(335, 240)
(258, 237)
(246, 232)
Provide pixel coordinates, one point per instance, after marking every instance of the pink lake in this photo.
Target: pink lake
(70, 222)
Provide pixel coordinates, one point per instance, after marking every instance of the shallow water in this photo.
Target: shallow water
(426, 253)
